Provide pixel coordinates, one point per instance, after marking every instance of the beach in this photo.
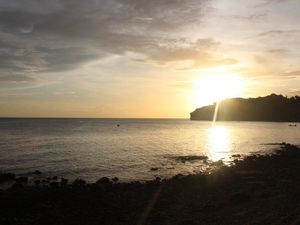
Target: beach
(259, 189)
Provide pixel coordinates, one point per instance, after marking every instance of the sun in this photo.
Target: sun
(216, 87)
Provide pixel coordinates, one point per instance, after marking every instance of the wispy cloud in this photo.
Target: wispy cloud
(264, 3)
(254, 17)
(278, 51)
(277, 33)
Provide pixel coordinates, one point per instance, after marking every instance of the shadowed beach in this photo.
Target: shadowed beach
(259, 189)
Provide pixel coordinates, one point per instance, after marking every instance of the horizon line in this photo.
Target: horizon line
(58, 117)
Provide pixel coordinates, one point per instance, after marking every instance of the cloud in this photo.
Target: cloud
(16, 78)
(278, 41)
(271, 33)
(278, 51)
(275, 74)
(259, 59)
(199, 53)
(294, 93)
(65, 58)
(39, 35)
(269, 2)
(255, 17)
(292, 73)
(183, 84)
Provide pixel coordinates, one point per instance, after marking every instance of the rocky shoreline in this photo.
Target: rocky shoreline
(260, 189)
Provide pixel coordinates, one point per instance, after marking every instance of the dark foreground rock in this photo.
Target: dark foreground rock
(257, 190)
(6, 177)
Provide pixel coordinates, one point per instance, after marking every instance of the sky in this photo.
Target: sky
(142, 58)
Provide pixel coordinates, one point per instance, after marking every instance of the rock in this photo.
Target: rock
(37, 172)
(187, 222)
(23, 180)
(79, 182)
(239, 197)
(54, 184)
(17, 185)
(177, 176)
(236, 161)
(157, 219)
(219, 163)
(64, 181)
(37, 182)
(190, 158)
(154, 169)
(208, 208)
(54, 178)
(157, 179)
(115, 179)
(103, 181)
(4, 177)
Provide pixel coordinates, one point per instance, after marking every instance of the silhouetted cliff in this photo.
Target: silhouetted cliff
(270, 108)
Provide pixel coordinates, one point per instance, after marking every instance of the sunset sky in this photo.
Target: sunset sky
(142, 58)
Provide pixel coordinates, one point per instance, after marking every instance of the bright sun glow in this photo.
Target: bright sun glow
(216, 87)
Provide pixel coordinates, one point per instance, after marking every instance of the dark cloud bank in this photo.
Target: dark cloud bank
(43, 36)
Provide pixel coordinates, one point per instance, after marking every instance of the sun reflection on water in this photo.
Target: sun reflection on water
(219, 143)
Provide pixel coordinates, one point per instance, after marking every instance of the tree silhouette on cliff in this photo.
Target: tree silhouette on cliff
(269, 108)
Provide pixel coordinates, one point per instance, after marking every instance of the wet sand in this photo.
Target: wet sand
(262, 189)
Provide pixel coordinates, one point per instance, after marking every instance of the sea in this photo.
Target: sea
(132, 149)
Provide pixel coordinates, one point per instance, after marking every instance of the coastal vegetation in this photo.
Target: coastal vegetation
(269, 108)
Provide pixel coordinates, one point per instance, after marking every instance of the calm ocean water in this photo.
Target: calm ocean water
(92, 148)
